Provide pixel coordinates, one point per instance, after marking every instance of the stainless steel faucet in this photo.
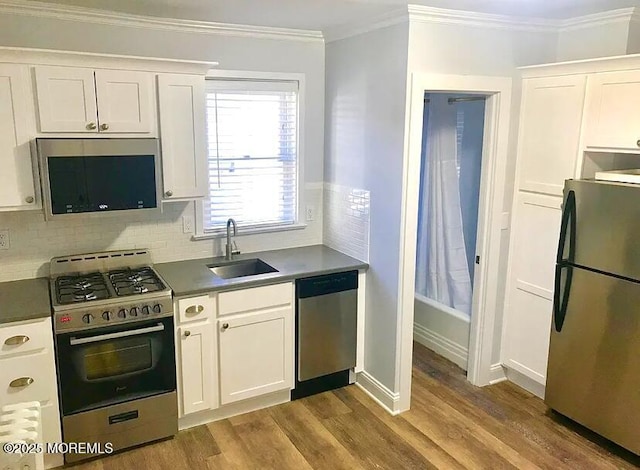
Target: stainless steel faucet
(231, 249)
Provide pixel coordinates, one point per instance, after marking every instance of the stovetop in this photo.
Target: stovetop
(86, 287)
(105, 289)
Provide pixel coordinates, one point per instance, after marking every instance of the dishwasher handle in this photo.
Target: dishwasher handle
(326, 284)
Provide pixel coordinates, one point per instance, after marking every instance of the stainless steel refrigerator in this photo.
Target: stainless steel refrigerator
(593, 376)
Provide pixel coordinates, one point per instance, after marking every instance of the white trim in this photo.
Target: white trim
(497, 374)
(380, 394)
(495, 155)
(222, 233)
(525, 382)
(96, 16)
(426, 14)
(385, 20)
(456, 353)
(599, 19)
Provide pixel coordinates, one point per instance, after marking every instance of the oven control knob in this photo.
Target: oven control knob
(122, 313)
(87, 318)
(107, 315)
(145, 310)
(157, 308)
(133, 311)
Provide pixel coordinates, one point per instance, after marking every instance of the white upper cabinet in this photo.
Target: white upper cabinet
(613, 120)
(124, 101)
(82, 100)
(550, 125)
(181, 100)
(17, 189)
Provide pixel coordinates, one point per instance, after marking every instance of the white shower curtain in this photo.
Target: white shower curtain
(442, 272)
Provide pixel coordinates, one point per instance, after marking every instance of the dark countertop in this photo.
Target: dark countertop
(24, 300)
(194, 277)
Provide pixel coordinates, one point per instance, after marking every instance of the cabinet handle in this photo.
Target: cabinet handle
(21, 382)
(169, 193)
(91, 126)
(187, 333)
(16, 340)
(225, 326)
(638, 143)
(104, 127)
(194, 309)
(29, 199)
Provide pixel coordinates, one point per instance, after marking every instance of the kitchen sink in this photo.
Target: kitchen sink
(241, 268)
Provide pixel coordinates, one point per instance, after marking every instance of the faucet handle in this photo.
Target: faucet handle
(235, 250)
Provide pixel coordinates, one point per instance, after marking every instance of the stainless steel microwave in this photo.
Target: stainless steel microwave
(87, 176)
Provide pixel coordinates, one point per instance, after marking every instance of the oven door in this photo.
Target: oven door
(115, 364)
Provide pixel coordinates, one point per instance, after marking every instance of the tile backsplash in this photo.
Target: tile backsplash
(34, 242)
(347, 220)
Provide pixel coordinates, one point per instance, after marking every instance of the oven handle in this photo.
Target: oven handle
(123, 334)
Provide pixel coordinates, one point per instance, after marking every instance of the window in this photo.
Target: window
(252, 129)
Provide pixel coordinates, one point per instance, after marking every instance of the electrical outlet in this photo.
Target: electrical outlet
(5, 241)
(187, 224)
(310, 213)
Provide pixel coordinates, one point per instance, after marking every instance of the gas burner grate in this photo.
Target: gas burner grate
(81, 288)
(134, 281)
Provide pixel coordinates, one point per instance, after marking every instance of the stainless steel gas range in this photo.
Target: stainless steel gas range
(115, 352)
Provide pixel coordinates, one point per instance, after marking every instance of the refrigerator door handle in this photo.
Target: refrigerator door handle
(568, 225)
(561, 295)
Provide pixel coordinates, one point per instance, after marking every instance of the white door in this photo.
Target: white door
(66, 99)
(17, 188)
(528, 310)
(196, 369)
(612, 117)
(550, 127)
(124, 101)
(256, 354)
(183, 136)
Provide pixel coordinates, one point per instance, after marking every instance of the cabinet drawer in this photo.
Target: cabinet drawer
(40, 368)
(196, 308)
(26, 337)
(255, 298)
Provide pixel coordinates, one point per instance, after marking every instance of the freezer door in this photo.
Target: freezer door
(593, 375)
(607, 226)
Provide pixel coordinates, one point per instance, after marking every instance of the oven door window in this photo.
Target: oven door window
(116, 364)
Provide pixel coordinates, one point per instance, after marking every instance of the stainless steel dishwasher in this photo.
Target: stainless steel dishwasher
(326, 324)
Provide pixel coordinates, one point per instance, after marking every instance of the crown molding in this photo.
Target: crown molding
(366, 25)
(620, 15)
(91, 15)
(425, 14)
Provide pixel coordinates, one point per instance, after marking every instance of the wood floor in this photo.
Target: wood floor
(451, 425)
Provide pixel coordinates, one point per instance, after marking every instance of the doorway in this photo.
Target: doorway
(450, 177)
(483, 366)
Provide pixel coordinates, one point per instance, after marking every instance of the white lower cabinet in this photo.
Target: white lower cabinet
(195, 345)
(256, 353)
(234, 345)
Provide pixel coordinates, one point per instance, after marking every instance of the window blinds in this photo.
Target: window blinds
(252, 153)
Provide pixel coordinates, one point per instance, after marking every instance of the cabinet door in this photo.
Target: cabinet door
(17, 189)
(550, 125)
(66, 99)
(124, 101)
(613, 120)
(256, 354)
(196, 367)
(183, 139)
(527, 323)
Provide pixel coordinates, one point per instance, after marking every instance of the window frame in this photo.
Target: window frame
(299, 223)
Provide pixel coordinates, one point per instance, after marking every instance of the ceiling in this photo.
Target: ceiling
(325, 14)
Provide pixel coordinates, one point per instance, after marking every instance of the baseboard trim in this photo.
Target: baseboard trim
(525, 382)
(456, 353)
(387, 399)
(497, 374)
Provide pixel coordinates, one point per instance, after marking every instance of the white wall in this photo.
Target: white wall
(475, 50)
(600, 40)
(34, 242)
(365, 112)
